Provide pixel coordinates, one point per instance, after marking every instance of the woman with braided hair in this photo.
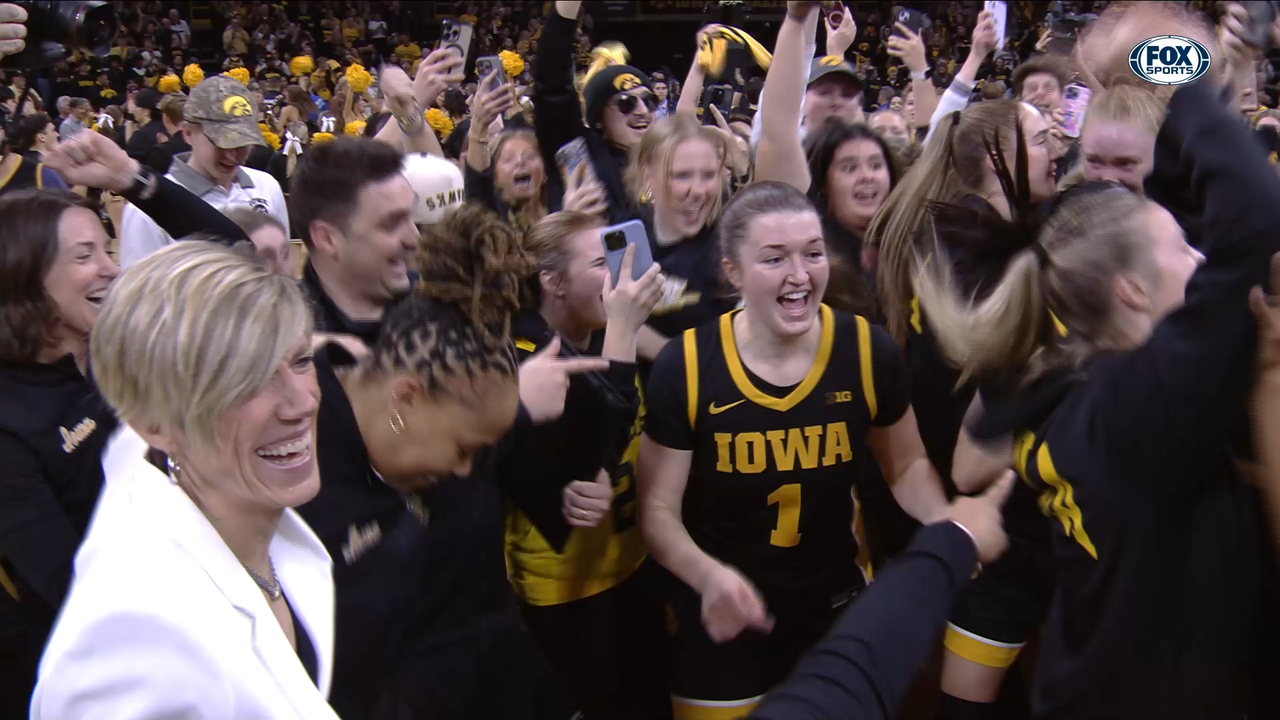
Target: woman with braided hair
(427, 624)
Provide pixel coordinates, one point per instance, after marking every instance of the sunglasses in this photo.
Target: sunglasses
(626, 104)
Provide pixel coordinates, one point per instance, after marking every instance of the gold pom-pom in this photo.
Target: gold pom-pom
(264, 128)
(321, 138)
(439, 121)
(302, 65)
(169, 84)
(272, 139)
(192, 75)
(241, 74)
(468, 18)
(358, 78)
(355, 129)
(512, 63)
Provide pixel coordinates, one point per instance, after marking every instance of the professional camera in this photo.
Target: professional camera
(53, 26)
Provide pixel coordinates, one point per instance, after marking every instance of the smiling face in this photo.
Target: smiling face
(82, 271)
(379, 241)
(1174, 260)
(443, 434)
(578, 286)
(781, 271)
(219, 165)
(857, 182)
(1040, 166)
(1117, 152)
(1042, 90)
(518, 171)
(692, 185)
(264, 455)
(627, 116)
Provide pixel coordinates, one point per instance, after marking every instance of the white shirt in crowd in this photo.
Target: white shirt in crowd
(140, 235)
(377, 28)
(182, 30)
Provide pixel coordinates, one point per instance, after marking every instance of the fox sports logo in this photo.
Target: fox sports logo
(1169, 60)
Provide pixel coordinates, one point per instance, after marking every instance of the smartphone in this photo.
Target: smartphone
(720, 96)
(570, 156)
(486, 66)
(616, 238)
(1000, 11)
(911, 18)
(1075, 101)
(456, 36)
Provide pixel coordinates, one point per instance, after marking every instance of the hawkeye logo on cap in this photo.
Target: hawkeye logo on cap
(1169, 60)
(625, 82)
(831, 61)
(237, 106)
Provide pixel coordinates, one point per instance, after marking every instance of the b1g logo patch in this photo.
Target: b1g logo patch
(1169, 60)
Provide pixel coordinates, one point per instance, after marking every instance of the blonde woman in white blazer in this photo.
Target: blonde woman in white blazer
(198, 591)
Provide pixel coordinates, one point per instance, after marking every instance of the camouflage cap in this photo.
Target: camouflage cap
(225, 111)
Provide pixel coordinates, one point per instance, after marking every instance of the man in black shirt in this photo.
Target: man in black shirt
(359, 232)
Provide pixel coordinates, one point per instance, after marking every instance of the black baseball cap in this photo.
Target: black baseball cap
(830, 65)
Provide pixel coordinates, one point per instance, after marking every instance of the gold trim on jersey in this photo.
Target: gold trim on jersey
(864, 360)
(796, 396)
(691, 373)
(978, 649)
(690, 709)
(526, 345)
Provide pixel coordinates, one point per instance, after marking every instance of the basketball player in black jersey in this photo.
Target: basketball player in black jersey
(747, 469)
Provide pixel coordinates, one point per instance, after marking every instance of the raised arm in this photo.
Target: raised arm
(691, 89)
(957, 95)
(559, 116)
(780, 155)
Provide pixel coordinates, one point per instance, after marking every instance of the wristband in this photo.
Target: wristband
(977, 570)
(413, 125)
(922, 75)
(145, 184)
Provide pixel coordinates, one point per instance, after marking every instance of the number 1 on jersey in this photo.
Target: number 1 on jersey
(787, 532)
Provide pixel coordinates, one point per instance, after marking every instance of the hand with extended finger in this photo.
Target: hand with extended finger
(731, 604)
(585, 503)
(544, 380)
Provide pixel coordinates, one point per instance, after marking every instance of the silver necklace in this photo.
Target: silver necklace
(270, 587)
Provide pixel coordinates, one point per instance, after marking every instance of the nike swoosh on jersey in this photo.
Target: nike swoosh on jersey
(717, 410)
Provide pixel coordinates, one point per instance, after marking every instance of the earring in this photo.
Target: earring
(397, 422)
(174, 468)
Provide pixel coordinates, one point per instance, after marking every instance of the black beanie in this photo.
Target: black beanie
(605, 84)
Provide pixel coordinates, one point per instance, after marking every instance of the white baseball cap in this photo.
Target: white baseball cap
(438, 183)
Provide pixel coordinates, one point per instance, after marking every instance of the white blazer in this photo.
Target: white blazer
(162, 621)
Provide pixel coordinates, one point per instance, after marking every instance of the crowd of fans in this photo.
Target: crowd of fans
(327, 390)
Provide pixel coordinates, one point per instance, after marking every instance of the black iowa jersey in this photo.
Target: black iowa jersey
(771, 485)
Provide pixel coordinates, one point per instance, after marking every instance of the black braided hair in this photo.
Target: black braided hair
(457, 322)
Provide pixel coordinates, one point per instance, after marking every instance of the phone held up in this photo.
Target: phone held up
(1075, 101)
(456, 36)
(616, 239)
(490, 65)
(909, 18)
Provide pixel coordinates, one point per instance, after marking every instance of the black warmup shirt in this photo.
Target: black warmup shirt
(53, 428)
(329, 318)
(1155, 611)
(693, 293)
(426, 622)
